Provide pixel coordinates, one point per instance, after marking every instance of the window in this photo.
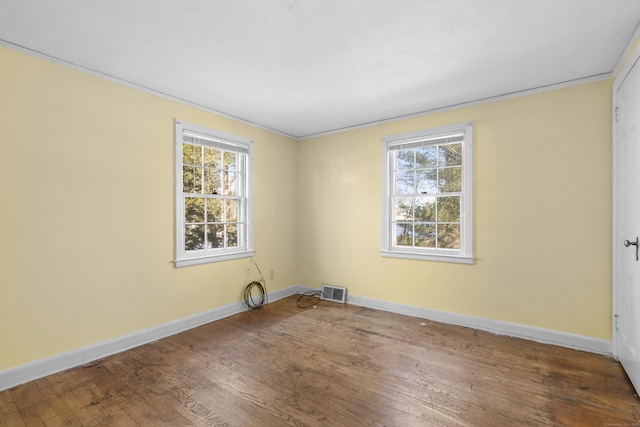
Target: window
(427, 194)
(214, 195)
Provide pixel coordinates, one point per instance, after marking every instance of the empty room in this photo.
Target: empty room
(319, 213)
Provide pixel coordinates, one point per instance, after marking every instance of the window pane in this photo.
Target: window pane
(450, 179)
(214, 210)
(229, 183)
(450, 155)
(194, 237)
(187, 179)
(403, 209)
(197, 155)
(425, 209)
(187, 154)
(194, 209)
(212, 182)
(426, 235)
(404, 234)
(449, 209)
(212, 158)
(405, 182)
(230, 161)
(197, 180)
(449, 236)
(232, 211)
(427, 180)
(405, 159)
(426, 157)
(232, 235)
(215, 236)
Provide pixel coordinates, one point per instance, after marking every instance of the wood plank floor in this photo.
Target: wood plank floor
(334, 365)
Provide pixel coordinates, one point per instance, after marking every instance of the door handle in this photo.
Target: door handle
(628, 243)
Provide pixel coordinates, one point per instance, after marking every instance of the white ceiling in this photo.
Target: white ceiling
(304, 67)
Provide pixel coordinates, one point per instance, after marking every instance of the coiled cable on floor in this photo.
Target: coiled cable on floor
(314, 296)
(248, 298)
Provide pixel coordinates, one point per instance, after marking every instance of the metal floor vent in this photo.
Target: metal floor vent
(334, 293)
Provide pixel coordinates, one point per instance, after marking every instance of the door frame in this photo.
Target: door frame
(631, 60)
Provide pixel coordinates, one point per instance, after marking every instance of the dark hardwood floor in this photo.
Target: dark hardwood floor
(334, 365)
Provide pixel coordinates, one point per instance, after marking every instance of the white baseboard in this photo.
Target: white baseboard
(40, 368)
(545, 336)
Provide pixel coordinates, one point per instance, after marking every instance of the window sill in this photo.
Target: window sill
(215, 258)
(429, 257)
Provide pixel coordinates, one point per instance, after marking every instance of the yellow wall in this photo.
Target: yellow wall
(542, 214)
(87, 230)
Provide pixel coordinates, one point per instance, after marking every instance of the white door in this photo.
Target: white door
(627, 223)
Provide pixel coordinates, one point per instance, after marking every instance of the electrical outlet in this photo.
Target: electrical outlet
(248, 269)
(272, 274)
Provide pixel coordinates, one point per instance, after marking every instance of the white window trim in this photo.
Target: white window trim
(465, 254)
(183, 258)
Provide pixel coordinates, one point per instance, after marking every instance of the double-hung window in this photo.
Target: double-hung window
(427, 202)
(214, 195)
